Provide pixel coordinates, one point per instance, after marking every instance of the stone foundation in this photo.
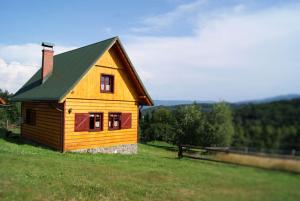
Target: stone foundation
(121, 149)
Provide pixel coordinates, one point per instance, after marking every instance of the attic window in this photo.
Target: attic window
(107, 83)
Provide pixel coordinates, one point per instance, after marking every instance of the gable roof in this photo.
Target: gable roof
(68, 70)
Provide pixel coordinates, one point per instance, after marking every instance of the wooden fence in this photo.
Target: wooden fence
(250, 157)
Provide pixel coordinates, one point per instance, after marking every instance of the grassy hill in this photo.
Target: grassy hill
(29, 172)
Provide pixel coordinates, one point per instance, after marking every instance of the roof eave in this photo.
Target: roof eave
(32, 100)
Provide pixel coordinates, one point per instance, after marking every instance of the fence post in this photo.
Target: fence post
(179, 151)
(293, 152)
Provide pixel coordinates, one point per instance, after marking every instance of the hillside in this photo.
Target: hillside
(33, 173)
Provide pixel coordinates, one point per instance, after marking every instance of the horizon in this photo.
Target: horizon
(205, 50)
(283, 96)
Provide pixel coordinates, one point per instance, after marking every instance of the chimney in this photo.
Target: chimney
(47, 60)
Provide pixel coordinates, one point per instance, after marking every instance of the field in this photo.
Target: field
(30, 172)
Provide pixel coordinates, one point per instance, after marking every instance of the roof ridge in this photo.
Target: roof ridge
(115, 37)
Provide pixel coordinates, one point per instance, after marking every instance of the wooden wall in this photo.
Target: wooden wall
(87, 98)
(83, 140)
(49, 126)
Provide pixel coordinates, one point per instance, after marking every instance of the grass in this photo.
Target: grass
(29, 172)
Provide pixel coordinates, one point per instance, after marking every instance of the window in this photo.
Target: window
(88, 122)
(114, 121)
(30, 117)
(119, 121)
(95, 121)
(107, 83)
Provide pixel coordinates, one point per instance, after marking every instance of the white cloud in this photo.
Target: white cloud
(232, 52)
(19, 62)
(14, 74)
(233, 55)
(161, 21)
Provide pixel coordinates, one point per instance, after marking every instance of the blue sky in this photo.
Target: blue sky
(199, 49)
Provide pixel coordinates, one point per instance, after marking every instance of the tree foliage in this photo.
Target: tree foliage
(270, 125)
(189, 125)
(11, 113)
(219, 127)
(273, 125)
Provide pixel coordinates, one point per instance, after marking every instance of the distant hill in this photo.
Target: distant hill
(255, 101)
(177, 102)
(271, 99)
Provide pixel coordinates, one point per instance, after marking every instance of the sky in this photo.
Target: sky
(208, 50)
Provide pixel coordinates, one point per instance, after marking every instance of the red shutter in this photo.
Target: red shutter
(81, 122)
(125, 120)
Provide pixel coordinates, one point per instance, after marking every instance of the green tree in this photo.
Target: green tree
(218, 127)
(188, 126)
(11, 113)
(157, 125)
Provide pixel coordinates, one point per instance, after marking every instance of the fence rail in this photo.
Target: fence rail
(290, 154)
(245, 156)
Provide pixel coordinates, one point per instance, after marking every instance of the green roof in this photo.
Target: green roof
(68, 69)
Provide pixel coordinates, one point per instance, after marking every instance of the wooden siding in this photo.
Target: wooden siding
(109, 63)
(48, 127)
(83, 140)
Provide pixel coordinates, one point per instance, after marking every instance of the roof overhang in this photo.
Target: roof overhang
(144, 98)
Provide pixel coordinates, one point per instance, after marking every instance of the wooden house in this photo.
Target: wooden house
(2, 101)
(87, 99)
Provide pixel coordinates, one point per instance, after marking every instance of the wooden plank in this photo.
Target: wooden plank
(45, 140)
(101, 140)
(96, 136)
(44, 128)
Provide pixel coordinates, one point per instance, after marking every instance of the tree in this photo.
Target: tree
(188, 126)
(157, 125)
(218, 127)
(11, 113)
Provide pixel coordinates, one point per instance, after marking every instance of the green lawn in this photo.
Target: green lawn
(33, 173)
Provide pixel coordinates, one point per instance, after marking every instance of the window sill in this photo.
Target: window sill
(95, 130)
(107, 92)
(114, 129)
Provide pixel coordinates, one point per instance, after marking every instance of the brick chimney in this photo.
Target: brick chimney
(47, 60)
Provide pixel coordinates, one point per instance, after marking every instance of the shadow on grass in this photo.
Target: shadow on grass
(15, 138)
(168, 148)
(11, 137)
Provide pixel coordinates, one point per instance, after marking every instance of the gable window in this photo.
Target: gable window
(114, 121)
(30, 117)
(107, 83)
(88, 122)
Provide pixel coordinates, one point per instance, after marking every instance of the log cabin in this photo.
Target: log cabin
(84, 100)
(2, 101)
